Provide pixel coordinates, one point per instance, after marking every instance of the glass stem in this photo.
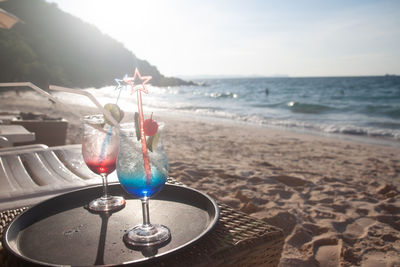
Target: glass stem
(145, 209)
(105, 186)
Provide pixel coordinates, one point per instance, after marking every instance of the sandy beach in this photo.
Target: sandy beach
(336, 200)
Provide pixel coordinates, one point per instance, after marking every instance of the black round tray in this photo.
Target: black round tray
(60, 231)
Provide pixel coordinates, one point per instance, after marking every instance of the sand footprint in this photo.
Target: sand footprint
(299, 237)
(388, 208)
(359, 227)
(289, 180)
(325, 250)
(319, 214)
(328, 256)
(283, 194)
(393, 221)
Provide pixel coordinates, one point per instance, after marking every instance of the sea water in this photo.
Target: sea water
(356, 106)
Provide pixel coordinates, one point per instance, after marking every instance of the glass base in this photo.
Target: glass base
(147, 235)
(107, 203)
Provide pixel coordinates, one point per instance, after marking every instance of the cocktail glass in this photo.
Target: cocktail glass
(132, 176)
(100, 150)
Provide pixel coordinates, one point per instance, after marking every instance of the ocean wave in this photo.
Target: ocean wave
(198, 108)
(362, 131)
(218, 95)
(268, 105)
(288, 123)
(336, 128)
(306, 108)
(385, 124)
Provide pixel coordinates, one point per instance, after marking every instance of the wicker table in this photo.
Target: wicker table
(237, 240)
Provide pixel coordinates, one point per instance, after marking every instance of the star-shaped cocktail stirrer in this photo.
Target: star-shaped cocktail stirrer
(121, 84)
(139, 88)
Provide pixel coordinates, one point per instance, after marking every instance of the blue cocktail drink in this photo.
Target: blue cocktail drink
(130, 165)
(135, 180)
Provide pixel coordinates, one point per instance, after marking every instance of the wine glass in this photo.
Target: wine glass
(100, 150)
(132, 176)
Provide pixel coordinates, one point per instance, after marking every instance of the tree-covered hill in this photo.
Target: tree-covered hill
(54, 47)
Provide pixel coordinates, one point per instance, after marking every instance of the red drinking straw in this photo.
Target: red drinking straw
(139, 89)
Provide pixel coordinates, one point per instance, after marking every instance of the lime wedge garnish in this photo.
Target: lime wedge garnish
(137, 126)
(115, 111)
(152, 141)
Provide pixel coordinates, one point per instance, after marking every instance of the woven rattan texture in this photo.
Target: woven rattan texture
(237, 240)
(6, 217)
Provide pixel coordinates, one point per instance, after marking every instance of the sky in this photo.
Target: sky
(188, 38)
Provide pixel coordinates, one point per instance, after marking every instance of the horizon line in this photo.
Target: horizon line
(227, 76)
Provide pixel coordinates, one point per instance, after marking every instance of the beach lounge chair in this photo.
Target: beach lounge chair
(33, 173)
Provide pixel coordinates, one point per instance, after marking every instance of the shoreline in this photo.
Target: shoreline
(337, 201)
(363, 139)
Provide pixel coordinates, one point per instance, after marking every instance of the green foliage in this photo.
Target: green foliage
(54, 47)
